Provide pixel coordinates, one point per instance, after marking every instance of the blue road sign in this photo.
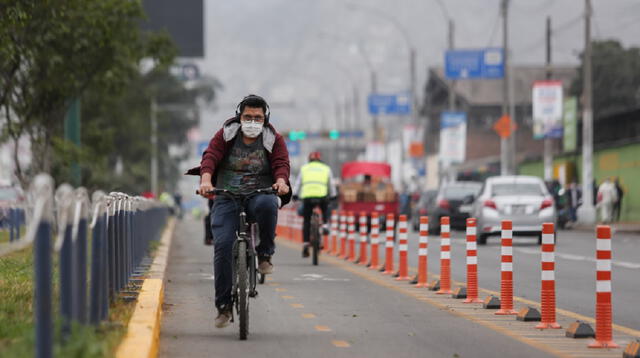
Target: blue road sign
(475, 63)
(293, 147)
(389, 103)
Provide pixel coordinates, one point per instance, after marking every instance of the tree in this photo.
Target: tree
(116, 130)
(616, 78)
(51, 51)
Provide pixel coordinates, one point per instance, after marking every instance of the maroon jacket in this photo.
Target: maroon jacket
(222, 142)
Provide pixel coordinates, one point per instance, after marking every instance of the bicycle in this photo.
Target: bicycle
(245, 258)
(316, 230)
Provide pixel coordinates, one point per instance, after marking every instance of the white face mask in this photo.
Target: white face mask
(251, 129)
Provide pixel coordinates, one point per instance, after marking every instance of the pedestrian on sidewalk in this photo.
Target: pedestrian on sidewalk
(618, 206)
(607, 197)
(574, 199)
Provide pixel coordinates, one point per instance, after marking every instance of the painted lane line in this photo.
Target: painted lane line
(288, 297)
(297, 305)
(341, 344)
(322, 328)
(308, 315)
(572, 257)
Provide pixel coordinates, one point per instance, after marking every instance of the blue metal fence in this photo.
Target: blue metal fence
(93, 271)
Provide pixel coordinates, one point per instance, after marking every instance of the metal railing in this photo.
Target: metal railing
(94, 270)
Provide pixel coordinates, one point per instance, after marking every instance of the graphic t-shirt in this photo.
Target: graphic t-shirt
(246, 168)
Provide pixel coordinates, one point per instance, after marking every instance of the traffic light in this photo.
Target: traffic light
(334, 134)
(297, 135)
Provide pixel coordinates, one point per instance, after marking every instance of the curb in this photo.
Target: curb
(143, 330)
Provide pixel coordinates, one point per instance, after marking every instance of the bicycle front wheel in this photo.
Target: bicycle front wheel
(243, 290)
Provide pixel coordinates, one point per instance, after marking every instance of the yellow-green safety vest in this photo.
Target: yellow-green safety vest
(315, 180)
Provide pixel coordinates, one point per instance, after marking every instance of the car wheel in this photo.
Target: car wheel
(482, 239)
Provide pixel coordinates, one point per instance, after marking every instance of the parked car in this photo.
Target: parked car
(524, 200)
(420, 209)
(452, 200)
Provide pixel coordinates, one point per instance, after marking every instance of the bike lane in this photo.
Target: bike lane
(307, 311)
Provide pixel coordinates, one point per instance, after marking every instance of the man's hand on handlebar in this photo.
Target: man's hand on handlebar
(205, 185)
(281, 186)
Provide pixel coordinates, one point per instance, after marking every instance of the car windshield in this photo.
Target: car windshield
(8, 194)
(460, 192)
(502, 189)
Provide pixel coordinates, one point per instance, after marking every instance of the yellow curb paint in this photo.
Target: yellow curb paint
(308, 315)
(341, 344)
(288, 297)
(323, 329)
(297, 305)
(280, 289)
(143, 330)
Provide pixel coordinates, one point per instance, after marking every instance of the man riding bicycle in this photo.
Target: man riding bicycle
(314, 186)
(244, 155)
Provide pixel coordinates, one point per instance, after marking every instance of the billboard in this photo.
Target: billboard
(547, 109)
(183, 20)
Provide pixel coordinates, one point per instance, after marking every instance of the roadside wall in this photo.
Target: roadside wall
(622, 162)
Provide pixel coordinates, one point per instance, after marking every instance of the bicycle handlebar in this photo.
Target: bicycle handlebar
(230, 193)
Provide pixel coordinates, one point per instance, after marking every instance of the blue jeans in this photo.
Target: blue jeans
(262, 209)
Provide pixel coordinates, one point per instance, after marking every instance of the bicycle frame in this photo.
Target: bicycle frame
(245, 237)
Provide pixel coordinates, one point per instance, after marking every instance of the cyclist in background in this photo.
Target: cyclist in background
(314, 186)
(244, 155)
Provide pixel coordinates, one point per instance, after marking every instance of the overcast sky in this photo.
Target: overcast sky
(314, 53)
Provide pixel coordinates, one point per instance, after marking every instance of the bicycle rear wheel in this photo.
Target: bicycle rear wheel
(315, 237)
(243, 290)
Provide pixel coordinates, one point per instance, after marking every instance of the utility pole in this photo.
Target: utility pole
(548, 155)
(505, 158)
(452, 83)
(413, 81)
(586, 212)
(154, 147)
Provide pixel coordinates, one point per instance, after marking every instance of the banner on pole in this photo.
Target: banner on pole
(570, 121)
(453, 137)
(547, 109)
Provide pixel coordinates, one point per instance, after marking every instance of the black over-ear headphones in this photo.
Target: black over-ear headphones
(267, 111)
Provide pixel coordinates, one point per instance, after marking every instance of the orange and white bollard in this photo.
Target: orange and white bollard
(506, 268)
(334, 233)
(548, 288)
(375, 237)
(363, 238)
(604, 310)
(423, 253)
(445, 257)
(472, 263)
(388, 264)
(403, 270)
(343, 234)
(351, 220)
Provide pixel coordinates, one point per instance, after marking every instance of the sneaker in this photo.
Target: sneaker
(224, 316)
(305, 250)
(265, 266)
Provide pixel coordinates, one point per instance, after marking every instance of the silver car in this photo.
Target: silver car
(522, 199)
